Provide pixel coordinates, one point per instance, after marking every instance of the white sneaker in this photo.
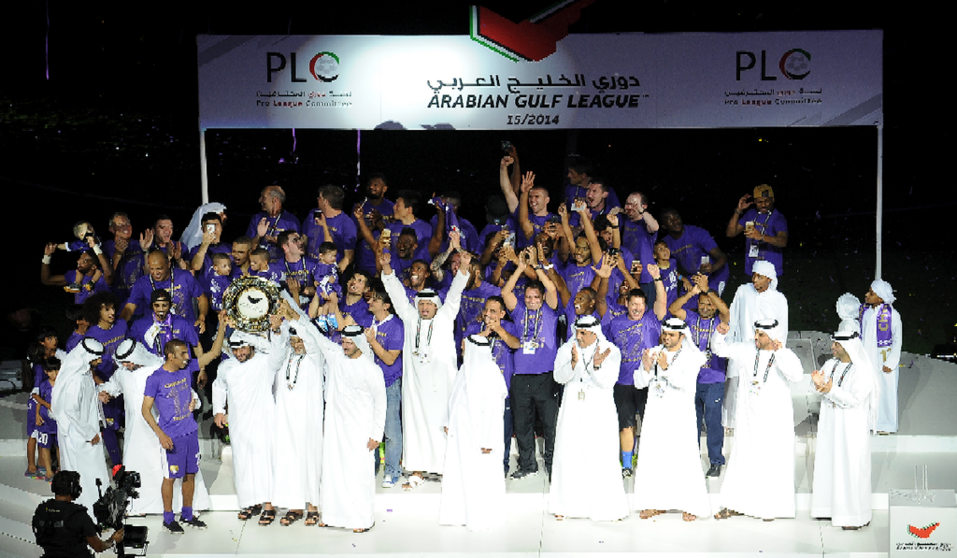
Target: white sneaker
(389, 481)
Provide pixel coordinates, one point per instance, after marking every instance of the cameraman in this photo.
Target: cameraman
(64, 528)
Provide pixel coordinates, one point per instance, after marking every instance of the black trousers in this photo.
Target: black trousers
(534, 395)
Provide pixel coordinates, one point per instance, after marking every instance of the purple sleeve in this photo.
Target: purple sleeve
(253, 222)
(140, 295)
(151, 386)
(703, 239)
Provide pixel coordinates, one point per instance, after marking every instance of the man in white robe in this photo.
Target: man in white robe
(143, 452)
(297, 462)
(849, 310)
(246, 383)
(586, 472)
(355, 421)
(473, 487)
(759, 480)
(757, 300)
(76, 409)
(668, 473)
(842, 462)
(429, 365)
(882, 335)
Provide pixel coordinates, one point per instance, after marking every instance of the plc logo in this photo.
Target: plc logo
(922, 533)
(324, 66)
(793, 64)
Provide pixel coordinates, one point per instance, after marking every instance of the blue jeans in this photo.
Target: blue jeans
(707, 404)
(393, 429)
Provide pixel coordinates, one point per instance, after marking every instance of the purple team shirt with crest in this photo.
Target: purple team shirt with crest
(172, 395)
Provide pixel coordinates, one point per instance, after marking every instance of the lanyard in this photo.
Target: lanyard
(418, 330)
(841, 379)
(537, 317)
(295, 378)
(766, 370)
(709, 331)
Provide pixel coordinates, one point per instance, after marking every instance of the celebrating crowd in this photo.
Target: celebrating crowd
(584, 322)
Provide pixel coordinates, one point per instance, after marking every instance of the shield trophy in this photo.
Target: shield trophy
(249, 301)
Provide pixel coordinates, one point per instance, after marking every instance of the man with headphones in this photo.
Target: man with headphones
(64, 528)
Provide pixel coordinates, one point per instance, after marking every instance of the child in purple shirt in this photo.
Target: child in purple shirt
(46, 425)
(259, 266)
(326, 273)
(216, 282)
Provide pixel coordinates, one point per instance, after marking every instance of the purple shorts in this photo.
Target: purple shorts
(46, 440)
(183, 459)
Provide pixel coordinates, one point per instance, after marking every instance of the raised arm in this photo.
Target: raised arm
(590, 235)
(734, 228)
(505, 184)
(528, 181)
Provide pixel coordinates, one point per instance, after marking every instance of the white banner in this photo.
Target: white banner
(707, 80)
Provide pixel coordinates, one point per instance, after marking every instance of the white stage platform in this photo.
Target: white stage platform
(406, 522)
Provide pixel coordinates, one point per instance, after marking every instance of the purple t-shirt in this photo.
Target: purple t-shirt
(99, 287)
(473, 303)
(110, 338)
(359, 311)
(172, 395)
(577, 277)
(493, 228)
(184, 290)
(503, 354)
(637, 240)
(423, 234)
(571, 317)
(46, 393)
(302, 271)
(283, 221)
(342, 227)
(538, 225)
(771, 224)
(73, 341)
(690, 247)
(468, 236)
(632, 337)
(391, 335)
(538, 333)
(214, 288)
(365, 257)
(715, 367)
(129, 269)
(175, 328)
(207, 269)
(273, 273)
(672, 284)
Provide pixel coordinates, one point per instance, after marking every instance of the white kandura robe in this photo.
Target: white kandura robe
(298, 452)
(473, 487)
(887, 418)
(842, 462)
(76, 409)
(426, 378)
(668, 474)
(586, 472)
(759, 480)
(355, 412)
(248, 388)
(142, 451)
(748, 307)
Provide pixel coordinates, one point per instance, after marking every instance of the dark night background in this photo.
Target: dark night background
(115, 127)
